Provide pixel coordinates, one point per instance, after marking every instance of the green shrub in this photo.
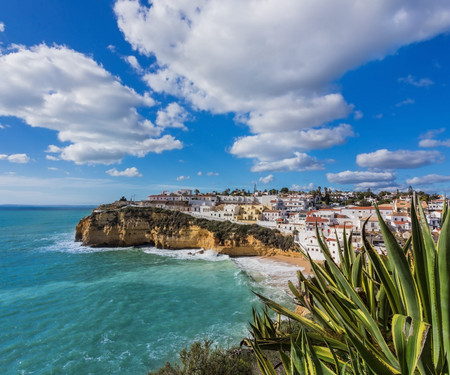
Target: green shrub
(204, 359)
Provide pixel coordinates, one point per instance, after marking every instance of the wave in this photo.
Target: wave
(188, 254)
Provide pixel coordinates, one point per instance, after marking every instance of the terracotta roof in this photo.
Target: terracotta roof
(316, 220)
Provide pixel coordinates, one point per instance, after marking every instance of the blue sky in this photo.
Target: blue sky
(100, 99)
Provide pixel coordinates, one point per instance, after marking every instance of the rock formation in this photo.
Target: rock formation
(134, 226)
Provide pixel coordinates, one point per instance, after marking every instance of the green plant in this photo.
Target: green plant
(204, 359)
(373, 314)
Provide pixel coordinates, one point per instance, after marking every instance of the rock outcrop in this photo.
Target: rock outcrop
(134, 226)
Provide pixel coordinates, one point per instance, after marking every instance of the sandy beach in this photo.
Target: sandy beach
(292, 260)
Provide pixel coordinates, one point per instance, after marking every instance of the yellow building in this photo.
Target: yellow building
(250, 213)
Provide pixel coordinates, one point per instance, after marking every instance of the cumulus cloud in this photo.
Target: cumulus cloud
(405, 102)
(2, 27)
(308, 187)
(16, 158)
(422, 82)
(271, 63)
(212, 173)
(358, 177)
(276, 145)
(385, 185)
(173, 116)
(427, 139)
(128, 172)
(199, 173)
(267, 179)
(300, 162)
(60, 89)
(132, 60)
(398, 159)
(183, 178)
(428, 179)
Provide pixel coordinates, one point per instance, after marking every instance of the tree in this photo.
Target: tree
(284, 190)
(196, 192)
(372, 314)
(123, 199)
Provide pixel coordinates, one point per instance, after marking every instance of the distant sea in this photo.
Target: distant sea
(69, 309)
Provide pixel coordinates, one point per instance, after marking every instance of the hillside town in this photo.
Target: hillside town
(298, 213)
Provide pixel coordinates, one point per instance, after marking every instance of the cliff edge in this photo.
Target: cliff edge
(134, 226)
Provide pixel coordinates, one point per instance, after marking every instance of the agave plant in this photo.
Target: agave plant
(371, 314)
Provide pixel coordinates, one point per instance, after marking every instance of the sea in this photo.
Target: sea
(71, 309)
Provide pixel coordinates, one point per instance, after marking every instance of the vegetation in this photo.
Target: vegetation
(204, 359)
(373, 314)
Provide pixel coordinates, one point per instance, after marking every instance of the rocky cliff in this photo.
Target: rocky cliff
(134, 226)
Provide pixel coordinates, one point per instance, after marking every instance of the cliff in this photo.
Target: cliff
(134, 226)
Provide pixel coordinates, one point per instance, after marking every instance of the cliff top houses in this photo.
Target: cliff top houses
(300, 213)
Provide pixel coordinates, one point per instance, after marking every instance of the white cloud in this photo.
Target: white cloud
(183, 178)
(300, 162)
(405, 102)
(60, 89)
(434, 143)
(52, 158)
(358, 177)
(428, 179)
(308, 187)
(398, 159)
(2, 27)
(16, 158)
(212, 173)
(358, 115)
(267, 179)
(199, 173)
(2, 126)
(276, 145)
(173, 116)
(428, 141)
(52, 169)
(271, 63)
(422, 82)
(128, 172)
(380, 185)
(132, 60)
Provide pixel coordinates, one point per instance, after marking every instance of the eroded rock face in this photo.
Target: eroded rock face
(163, 229)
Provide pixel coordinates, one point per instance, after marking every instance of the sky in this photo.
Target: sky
(109, 98)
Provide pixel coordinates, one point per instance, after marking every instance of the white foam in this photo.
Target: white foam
(65, 243)
(270, 273)
(188, 254)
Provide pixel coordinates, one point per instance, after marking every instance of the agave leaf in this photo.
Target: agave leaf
(377, 364)
(264, 365)
(290, 314)
(420, 263)
(443, 261)
(383, 274)
(357, 271)
(398, 259)
(409, 336)
(432, 280)
(351, 293)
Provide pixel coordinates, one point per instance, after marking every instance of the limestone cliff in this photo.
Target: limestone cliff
(134, 226)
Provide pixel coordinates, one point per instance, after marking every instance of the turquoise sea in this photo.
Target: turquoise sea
(69, 309)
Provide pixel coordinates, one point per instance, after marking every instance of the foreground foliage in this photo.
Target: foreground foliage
(204, 359)
(373, 314)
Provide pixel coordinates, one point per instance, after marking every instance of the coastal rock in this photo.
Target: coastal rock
(134, 226)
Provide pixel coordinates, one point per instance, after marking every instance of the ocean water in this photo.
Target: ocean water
(69, 309)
